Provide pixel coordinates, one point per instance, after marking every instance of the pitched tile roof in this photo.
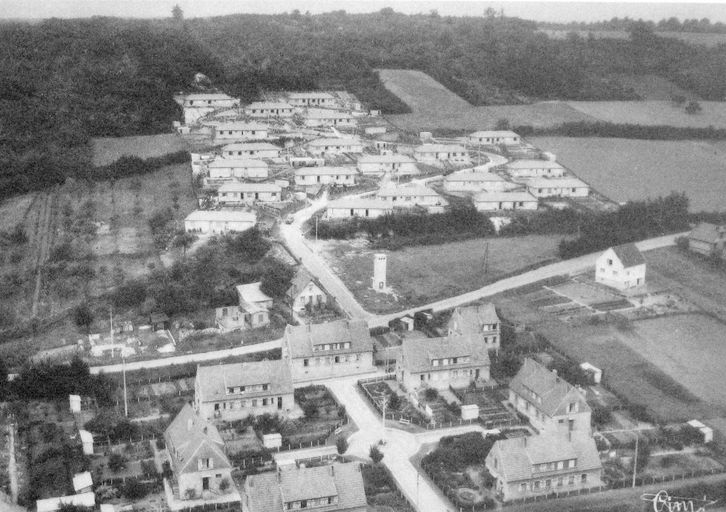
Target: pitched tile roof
(250, 146)
(706, 232)
(268, 492)
(533, 164)
(417, 354)
(251, 292)
(629, 255)
(516, 456)
(551, 391)
(473, 176)
(325, 170)
(407, 189)
(301, 280)
(190, 437)
(473, 319)
(360, 204)
(504, 195)
(332, 141)
(300, 338)
(244, 163)
(222, 216)
(214, 380)
(440, 148)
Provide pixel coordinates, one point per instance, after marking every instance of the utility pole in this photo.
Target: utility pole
(635, 458)
(126, 402)
(486, 258)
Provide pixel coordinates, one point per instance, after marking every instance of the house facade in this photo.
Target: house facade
(269, 109)
(556, 187)
(227, 132)
(315, 117)
(525, 467)
(232, 168)
(305, 291)
(505, 200)
(333, 488)
(363, 207)
(481, 322)
(438, 153)
(331, 349)
(196, 452)
(472, 181)
(438, 363)
(534, 169)
(214, 222)
(393, 163)
(325, 175)
(251, 150)
(255, 304)
(334, 146)
(229, 392)
(494, 137)
(707, 239)
(247, 193)
(311, 99)
(410, 194)
(551, 404)
(621, 267)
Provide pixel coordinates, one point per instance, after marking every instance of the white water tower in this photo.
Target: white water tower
(379, 272)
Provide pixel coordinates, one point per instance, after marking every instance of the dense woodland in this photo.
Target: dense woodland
(65, 81)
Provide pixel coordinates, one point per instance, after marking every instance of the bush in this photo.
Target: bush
(375, 454)
(341, 444)
(117, 462)
(431, 394)
(224, 485)
(310, 409)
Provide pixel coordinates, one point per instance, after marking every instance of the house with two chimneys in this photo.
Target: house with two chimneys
(331, 349)
(229, 392)
(708, 239)
(621, 267)
(332, 488)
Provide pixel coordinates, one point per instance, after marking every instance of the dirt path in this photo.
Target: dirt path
(12, 466)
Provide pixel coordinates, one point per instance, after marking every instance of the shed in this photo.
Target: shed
(82, 482)
(75, 403)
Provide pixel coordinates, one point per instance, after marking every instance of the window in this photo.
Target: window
(560, 481)
(571, 480)
(230, 391)
(306, 362)
(583, 478)
(436, 362)
(264, 401)
(304, 504)
(572, 407)
(548, 483)
(205, 463)
(337, 359)
(560, 464)
(254, 402)
(453, 360)
(522, 487)
(537, 484)
(265, 387)
(571, 463)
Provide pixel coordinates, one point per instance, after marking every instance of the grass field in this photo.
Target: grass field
(419, 275)
(107, 150)
(709, 40)
(434, 106)
(653, 113)
(654, 87)
(626, 169)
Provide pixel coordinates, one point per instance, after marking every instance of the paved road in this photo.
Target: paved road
(189, 358)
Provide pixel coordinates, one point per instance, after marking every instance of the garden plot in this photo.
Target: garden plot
(491, 410)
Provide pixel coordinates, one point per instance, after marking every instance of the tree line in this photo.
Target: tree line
(626, 24)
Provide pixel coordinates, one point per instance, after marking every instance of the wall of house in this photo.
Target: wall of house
(325, 366)
(311, 294)
(345, 213)
(441, 378)
(559, 191)
(248, 197)
(561, 423)
(237, 407)
(545, 483)
(615, 275)
(195, 481)
(205, 226)
(506, 205)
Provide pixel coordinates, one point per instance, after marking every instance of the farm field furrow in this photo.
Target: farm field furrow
(626, 169)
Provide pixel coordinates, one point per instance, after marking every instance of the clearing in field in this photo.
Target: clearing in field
(107, 150)
(654, 87)
(423, 274)
(653, 113)
(421, 92)
(627, 169)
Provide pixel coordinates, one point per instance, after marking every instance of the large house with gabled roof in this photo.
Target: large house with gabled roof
(332, 488)
(549, 402)
(305, 291)
(480, 321)
(228, 392)
(196, 451)
(330, 349)
(525, 467)
(621, 267)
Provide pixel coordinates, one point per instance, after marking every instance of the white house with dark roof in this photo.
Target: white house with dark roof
(411, 194)
(357, 207)
(707, 239)
(196, 452)
(534, 169)
(226, 132)
(325, 175)
(334, 146)
(237, 168)
(438, 153)
(246, 193)
(524, 467)
(621, 267)
(311, 99)
(331, 349)
(198, 105)
(228, 392)
(332, 488)
(315, 117)
(438, 363)
(549, 402)
(556, 187)
(486, 201)
(213, 222)
(269, 109)
(494, 137)
(473, 181)
(480, 321)
(251, 150)
(305, 291)
(391, 163)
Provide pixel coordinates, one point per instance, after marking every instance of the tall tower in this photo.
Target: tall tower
(379, 272)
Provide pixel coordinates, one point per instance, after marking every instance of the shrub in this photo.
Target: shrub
(394, 401)
(134, 490)
(116, 462)
(190, 494)
(341, 444)
(375, 454)
(310, 409)
(431, 394)
(224, 485)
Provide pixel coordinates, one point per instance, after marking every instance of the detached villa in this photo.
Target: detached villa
(621, 267)
(481, 322)
(228, 392)
(524, 467)
(305, 291)
(331, 349)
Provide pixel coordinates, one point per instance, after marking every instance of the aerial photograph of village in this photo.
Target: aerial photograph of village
(387, 256)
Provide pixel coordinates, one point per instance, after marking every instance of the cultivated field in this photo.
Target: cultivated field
(107, 150)
(419, 275)
(709, 40)
(653, 113)
(627, 169)
(654, 87)
(434, 106)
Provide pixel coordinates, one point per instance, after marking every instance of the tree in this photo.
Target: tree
(693, 107)
(276, 278)
(4, 386)
(116, 462)
(224, 484)
(177, 13)
(502, 124)
(394, 402)
(183, 240)
(375, 454)
(678, 100)
(83, 317)
(341, 444)
(310, 409)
